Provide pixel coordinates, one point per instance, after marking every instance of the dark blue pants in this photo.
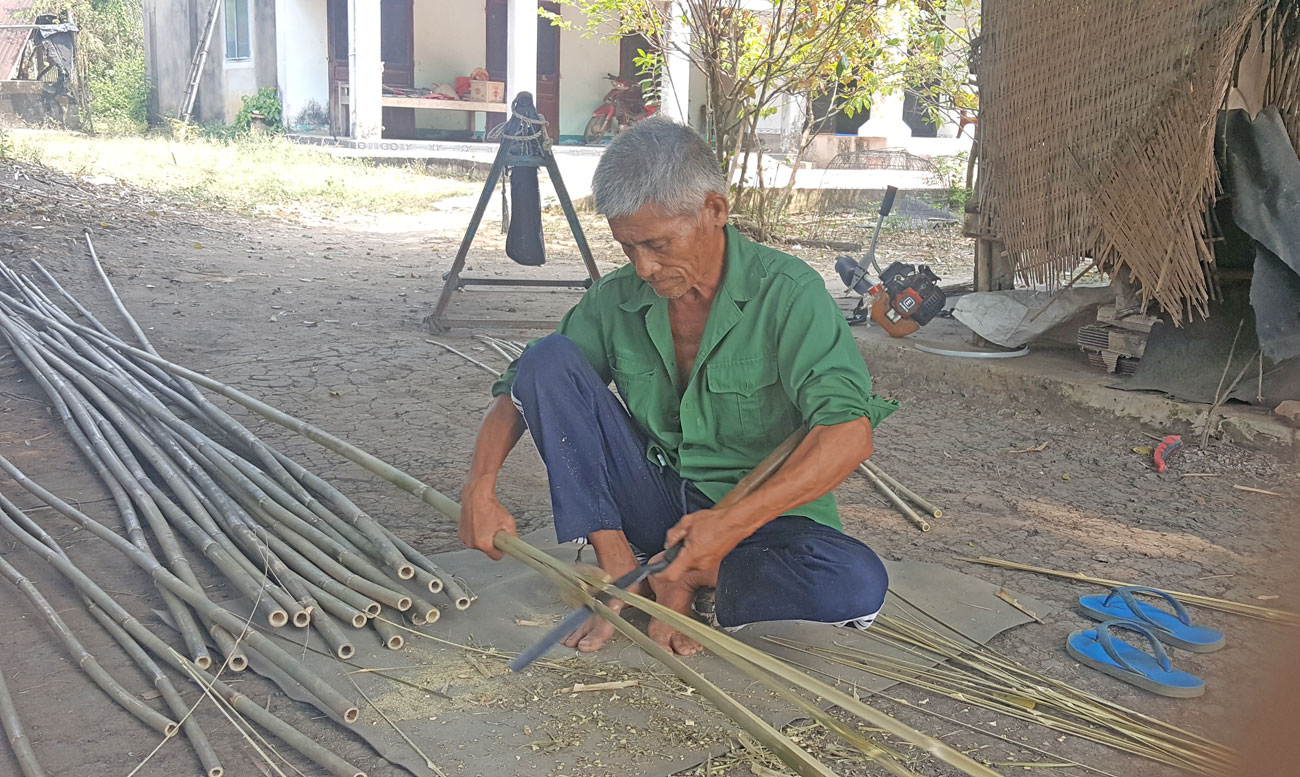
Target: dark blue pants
(793, 568)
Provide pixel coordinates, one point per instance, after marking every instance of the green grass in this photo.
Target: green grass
(259, 175)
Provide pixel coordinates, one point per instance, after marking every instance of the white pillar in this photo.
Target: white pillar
(886, 122)
(521, 44)
(675, 81)
(365, 71)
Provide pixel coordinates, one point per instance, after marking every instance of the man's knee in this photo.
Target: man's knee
(827, 577)
(545, 359)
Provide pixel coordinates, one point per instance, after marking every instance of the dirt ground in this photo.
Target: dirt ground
(323, 319)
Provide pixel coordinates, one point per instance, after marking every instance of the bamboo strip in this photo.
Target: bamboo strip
(790, 753)
(739, 653)
(1200, 600)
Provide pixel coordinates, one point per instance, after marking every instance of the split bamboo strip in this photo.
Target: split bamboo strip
(790, 753)
(895, 499)
(740, 652)
(1200, 600)
(18, 740)
(867, 747)
(903, 490)
(466, 357)
(1001, 700)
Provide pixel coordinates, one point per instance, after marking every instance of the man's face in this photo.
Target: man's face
(673, 254)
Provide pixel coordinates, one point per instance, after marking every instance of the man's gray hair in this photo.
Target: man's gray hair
(656, 162)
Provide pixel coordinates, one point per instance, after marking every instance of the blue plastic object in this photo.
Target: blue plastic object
(1174, 628)
(1097, 649)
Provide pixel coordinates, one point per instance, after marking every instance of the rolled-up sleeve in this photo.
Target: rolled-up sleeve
(819, 363)
(581, 325)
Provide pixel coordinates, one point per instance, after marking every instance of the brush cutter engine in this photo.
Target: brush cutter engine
(913, 292)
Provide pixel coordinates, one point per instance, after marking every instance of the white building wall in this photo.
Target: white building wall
(698, 100)
(450, 41)
(303, 43)
(583, 65)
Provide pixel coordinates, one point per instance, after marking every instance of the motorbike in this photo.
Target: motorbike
(623, 106)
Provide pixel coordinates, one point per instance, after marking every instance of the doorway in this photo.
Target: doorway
(396, 49)
(546, 94)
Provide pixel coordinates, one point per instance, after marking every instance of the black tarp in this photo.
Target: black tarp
(1260, 217)
(1261, 176)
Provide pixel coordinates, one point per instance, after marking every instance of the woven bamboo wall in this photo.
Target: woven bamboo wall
(1097, 135)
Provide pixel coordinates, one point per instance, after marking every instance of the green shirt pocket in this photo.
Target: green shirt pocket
(634, 377)
(749, 404)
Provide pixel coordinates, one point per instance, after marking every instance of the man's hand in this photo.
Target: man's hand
(706, 537)
(481, 517)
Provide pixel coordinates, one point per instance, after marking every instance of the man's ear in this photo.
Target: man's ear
(717, 208)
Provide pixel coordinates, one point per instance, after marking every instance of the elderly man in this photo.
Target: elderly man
(720, 348)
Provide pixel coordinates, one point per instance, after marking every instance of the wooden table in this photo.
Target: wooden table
(469, 107)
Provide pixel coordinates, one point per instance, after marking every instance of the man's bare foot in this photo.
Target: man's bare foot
(672, 640)
(590, 636)
(677, 596)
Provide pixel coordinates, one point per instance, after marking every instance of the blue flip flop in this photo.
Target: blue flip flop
(1174, 628)
(1148, 671)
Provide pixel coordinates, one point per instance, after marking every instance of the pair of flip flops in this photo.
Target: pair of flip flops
(1120, 610)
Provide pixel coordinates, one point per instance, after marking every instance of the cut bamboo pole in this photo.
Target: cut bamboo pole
(161, 682)
(903, 490)
(389, 635)
(238, 431)
(18, 740)
(202, 537)
(1200, 600)
(294, 668)
(82, 657)
(123, 488)
(254, 711)
(895, 499)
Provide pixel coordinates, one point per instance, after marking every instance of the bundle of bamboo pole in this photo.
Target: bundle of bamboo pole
(185, 474)
(197, 491)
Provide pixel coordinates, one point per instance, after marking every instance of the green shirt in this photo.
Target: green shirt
(776, 354)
